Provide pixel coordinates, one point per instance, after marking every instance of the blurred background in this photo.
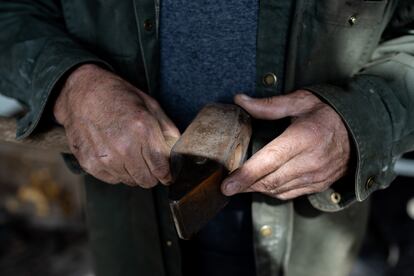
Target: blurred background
(43, 232)
(42, 224)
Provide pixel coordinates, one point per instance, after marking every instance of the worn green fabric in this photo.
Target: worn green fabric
(36, 52)
(115, 221)
(335, 51)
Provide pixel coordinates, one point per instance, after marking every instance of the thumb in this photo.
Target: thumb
(277, 107)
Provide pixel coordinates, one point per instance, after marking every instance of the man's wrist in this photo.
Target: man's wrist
(75, 80)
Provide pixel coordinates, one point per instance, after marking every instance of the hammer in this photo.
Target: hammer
(212, 146)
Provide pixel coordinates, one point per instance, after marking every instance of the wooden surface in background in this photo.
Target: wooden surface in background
(37, 184)
(54, 139)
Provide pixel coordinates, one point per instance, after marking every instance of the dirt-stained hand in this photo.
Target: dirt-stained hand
(310, 155)
(117, 132)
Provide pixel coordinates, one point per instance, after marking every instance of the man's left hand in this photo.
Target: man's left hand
(310, 155)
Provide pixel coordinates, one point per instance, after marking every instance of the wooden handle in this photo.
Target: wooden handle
(54, 139)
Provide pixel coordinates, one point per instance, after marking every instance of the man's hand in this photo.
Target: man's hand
(311, 154)
(117, 133)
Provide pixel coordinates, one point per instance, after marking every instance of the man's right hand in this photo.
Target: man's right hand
(117, 132)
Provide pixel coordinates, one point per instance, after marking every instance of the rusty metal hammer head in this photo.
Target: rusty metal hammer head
(213, 145)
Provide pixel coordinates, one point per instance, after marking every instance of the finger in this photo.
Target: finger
(278, 107)
(315, 175)
(107, 158)
(268, 159)
(262, 185)
(299, 169)
(136, 167)
(307, 184)
(113, 166)
(170, 141)
(168, 128)
(128, 167)
(156, 157)
(84, 153)
(106, 177)
(310, 189)
(141, 175)
(101, 174)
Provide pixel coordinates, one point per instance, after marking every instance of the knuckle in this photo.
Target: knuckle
(313, 132)
(123, 148)
(269, 100)
(267, 185)
(323, 176)
(282, 176)
(149, 182)
(153, 104)
(310, 178)
(140, 126)
(314, 165)
(137, 177)
(144, 180)
(307, 179)
(278, 151)
(278, 190)
(127, 146)
(161, 171)
(285, 196)
(141, 121)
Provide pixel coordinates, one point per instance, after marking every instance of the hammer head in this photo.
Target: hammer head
(213, 145)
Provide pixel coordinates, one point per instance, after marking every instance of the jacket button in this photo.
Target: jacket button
(269, 79)
(370, 183)
(168, 243)
(352, 20)
(148, 25)
(266, 231)
(335, 197)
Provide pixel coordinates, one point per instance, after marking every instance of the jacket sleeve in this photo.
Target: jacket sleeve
(35, 52)
(377, 106)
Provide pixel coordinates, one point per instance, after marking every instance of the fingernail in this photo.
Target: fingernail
(231, 187)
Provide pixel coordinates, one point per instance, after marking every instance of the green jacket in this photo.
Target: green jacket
(335, 51)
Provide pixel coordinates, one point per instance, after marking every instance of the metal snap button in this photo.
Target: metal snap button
(370, 182)
(269, 79)
(352, 20)
(335, 197)
(148, 25)
(266, 231)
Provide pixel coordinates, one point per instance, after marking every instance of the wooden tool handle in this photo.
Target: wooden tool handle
(53, 139)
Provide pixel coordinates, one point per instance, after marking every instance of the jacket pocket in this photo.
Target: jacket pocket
(337, 38)
(351, 13)
(106, 27)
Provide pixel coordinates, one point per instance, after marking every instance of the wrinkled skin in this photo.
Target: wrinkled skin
(119, 134)
(310, 155)
(116, 132)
